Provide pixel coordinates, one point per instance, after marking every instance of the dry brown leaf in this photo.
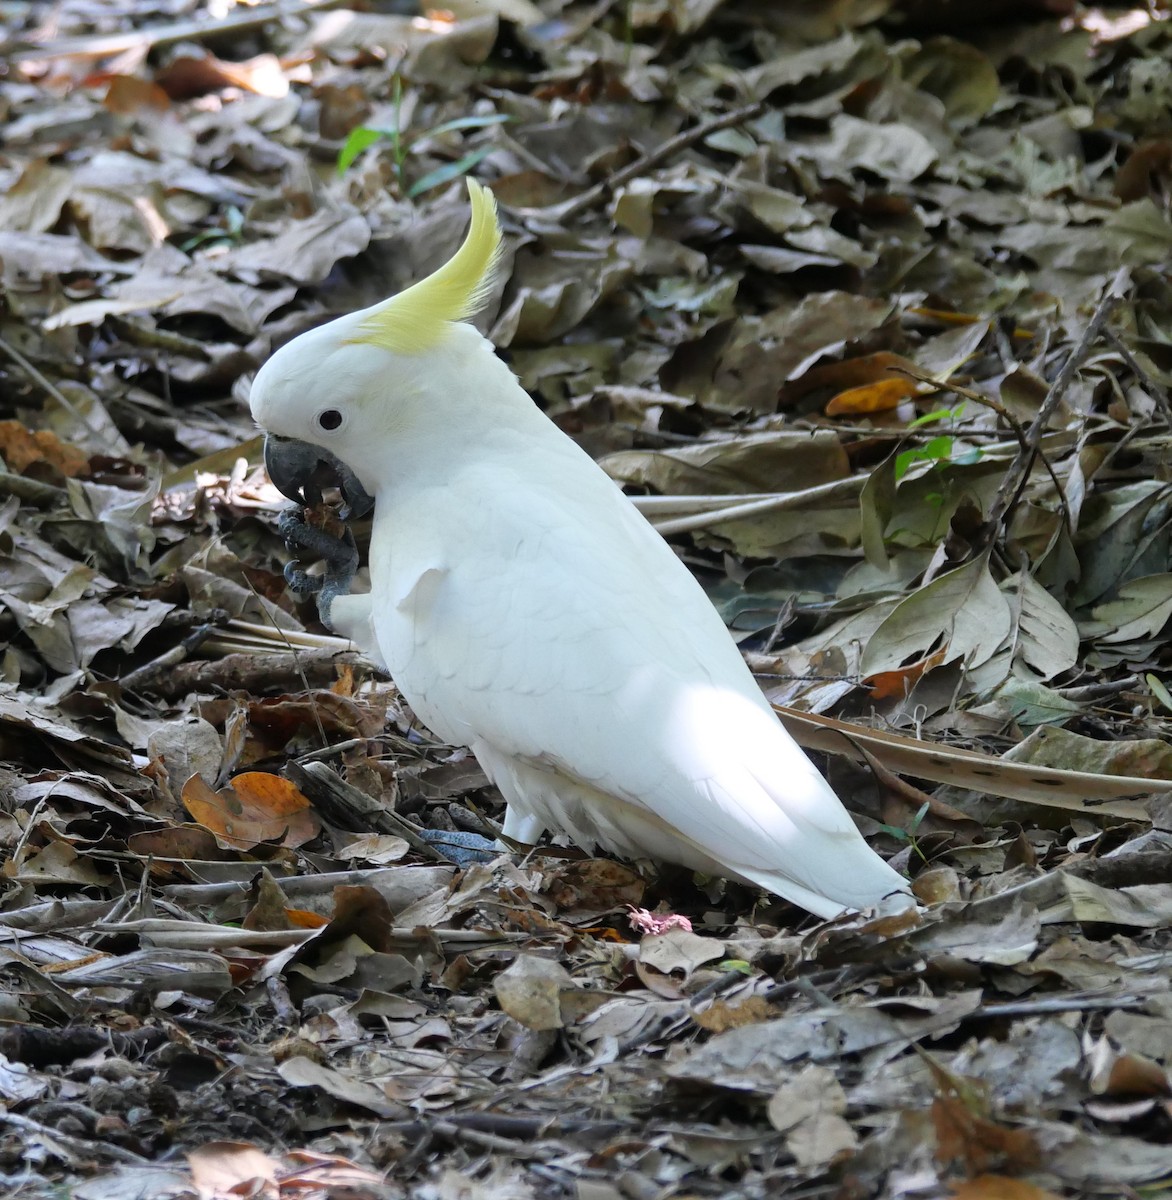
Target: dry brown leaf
(130, 94)
(883, 395)
(21, 448)
(896, 684)
(1000, 1187)
(530, 991)
(964, 1136)
(1075, 791)
(255, 807)
(721, 1014)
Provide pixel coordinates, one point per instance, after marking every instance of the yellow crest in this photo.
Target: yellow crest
(416, 319)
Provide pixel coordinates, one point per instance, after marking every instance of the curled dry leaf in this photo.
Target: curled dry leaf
(255, 807)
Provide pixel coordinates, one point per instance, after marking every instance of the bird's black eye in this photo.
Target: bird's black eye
(330, 419)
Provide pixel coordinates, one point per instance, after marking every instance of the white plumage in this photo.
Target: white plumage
(525, 609)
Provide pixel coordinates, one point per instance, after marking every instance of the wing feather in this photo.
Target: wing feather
(561, 635)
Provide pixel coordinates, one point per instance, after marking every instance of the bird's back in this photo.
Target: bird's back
(537, 617)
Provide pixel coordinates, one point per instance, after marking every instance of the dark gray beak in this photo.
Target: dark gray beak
(300, 471)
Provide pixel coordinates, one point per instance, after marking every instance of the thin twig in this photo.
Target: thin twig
(161, 35)
(151, 672)
(648, 162)
(508, 1125)
(254, 671)
(1099, 691)
(301, 887)
(42, 381)
(1019, 431)
(1054, 1004)
(736, 511)
(491, 1141)
(1013, 485)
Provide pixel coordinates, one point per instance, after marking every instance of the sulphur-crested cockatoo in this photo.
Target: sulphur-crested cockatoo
(524, 608)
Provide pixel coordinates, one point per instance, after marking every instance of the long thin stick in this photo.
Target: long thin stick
(1013, 485)
(161, 35)
(648, 162)
(42, 380)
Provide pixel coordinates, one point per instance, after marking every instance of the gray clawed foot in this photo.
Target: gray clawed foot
(340, 554)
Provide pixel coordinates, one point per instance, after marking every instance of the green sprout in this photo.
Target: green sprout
(939, 450)
(229, 231)
(908, 832)
(362, 137)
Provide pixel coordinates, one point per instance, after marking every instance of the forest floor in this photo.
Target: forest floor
(868, 306)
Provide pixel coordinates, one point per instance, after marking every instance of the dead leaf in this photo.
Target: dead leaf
(679, 950)
(530, 991)
(721, 1015)
(883, 395)
(962, 608)
(21, 448)
(304, 1072)
(1000, 1187)
(255, 807)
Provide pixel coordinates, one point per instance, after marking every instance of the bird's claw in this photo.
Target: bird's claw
(302, 583)
(340, 554)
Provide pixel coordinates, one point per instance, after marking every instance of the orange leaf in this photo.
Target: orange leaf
(302, 918)
(344, 684)
(268, 794)
(128, 94)
(963, 1135)
(849, 373)
(1000, 1187)
(255, 807)
(888, 684)
(22, 448)
(881, 396)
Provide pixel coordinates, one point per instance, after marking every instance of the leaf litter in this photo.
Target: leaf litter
(866, 307)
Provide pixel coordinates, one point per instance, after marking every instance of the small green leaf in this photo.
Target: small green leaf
(233, 224)
(940, 414)
(468, 123)
(904, 461)
(360, 138)
(735, 964)
(447, 172)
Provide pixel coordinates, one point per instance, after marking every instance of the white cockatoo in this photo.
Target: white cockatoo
(525, 609)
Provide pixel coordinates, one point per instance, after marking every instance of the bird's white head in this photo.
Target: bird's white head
(348, 387)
